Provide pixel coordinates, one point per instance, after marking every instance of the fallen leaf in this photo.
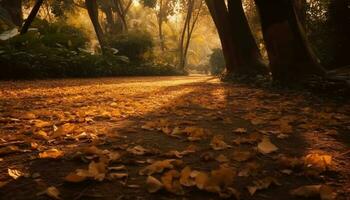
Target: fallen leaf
(201, 179)
(15, 174)
(53, 192)
(185, 177)
(96, 171)
(118, 176)
(42, 124)
(137, 150)
(262, 184)
(323, 191)
(240, 130)
(52, 153)
(266, 147)
(74, 178)
(171, 183)
(222, 159)
(217, 143)
(63, 130)
(194, 133)
(157, 167)
(317, 163)
(153, 185)
(9, 149)
(242, 155)
(28, 116)
(41, 135)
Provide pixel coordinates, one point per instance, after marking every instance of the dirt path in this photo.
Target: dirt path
(215, 139)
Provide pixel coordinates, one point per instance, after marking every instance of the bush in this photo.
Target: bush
(217, 62)
(137, 45)
(57, 50)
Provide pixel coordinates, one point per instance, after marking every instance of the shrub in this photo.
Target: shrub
(136, 45)
(217, 62)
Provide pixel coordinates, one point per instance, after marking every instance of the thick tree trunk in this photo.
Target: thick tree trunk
(14, 8)
(31, 17)
(218, 11)
(250, 60)
(92, 9)
(291, 58)
(339, 13)
(240, 50)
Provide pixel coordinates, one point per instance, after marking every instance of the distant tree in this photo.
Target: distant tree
(193, 9)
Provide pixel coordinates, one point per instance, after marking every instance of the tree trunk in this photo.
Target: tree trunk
(110, 20)
(92, 9)
(241, 53)
(14, 8)
(339, 14)
(220, 15)
(31, 16)
(160, 26)
(291, 58)
(250, 60)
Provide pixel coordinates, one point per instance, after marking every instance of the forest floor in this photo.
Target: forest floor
(170, 138)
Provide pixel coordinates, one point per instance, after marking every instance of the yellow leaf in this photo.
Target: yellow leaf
(53, 192)
(64, 130)
(201, 179)
(157, 167)
(15, 174)
(266, 147)
(41, 135)
(153, 185)
(42, 124)
(52, 153)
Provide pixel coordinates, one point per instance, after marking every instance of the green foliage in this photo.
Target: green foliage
(217, 62)
(56, 50)
(136, 45)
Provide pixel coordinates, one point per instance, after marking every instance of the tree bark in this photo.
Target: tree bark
(92, 9)
(220, 16)
(290, 55)
(250, 60)
(240, 50)
(339, 14)
(31, 17)
(14, 8)
(160, 26)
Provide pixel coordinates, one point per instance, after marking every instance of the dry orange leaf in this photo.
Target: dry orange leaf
(153, 185)
(51, 153)
(74, 178)
(323, 191)
(171, 182)
(217, 143)
(157, 167)
(185, 177)
(262, 184)
(53, 192)
(266, 146)
(318, 162)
